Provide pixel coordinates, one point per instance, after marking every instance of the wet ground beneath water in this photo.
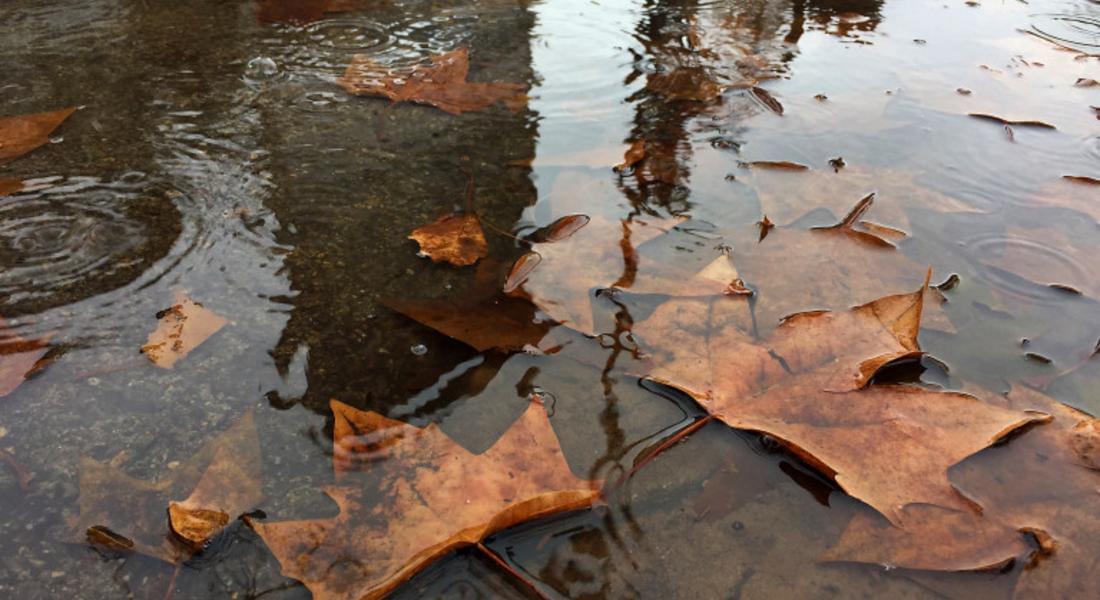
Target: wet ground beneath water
(213, 152)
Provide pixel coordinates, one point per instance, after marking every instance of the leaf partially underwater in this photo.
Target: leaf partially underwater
(457, 239)
(18, 357)
(436, 497)
(20, 134)
(174, 516)
(810, 386)
(181, 328)
(442, 83)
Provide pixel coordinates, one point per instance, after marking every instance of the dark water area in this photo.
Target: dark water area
(213, 152)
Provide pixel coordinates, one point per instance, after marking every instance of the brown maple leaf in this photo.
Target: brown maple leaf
(176, 515)
(181, 329)
(442, 84)
(18, 357)
(22, 133)
(437, 497)
(809, 386)
(561, 275)
(1041, 486)
(457, 239)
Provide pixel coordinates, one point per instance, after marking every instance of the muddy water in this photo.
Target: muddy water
(213, 153)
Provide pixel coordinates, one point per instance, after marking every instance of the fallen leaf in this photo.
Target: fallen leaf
(437, 497)
(1007, 122)
(1082, 179)
(221, 481)
(484, 323)
(22, 133)
(442, 84)
(181, 328)
(457, 239)
(1042, 484)
(775, 165)
(685, 83)
(18, 357)
(9, 185)
(809, 386)
(650, 161)
(1085, 82)
(765, 97)
(606, 254)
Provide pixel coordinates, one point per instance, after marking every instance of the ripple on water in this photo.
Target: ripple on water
(1010, 264)
(74, 238)
(1077, 31)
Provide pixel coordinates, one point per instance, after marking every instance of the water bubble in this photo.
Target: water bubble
(418, 349)
(57, 139)
(261, 67)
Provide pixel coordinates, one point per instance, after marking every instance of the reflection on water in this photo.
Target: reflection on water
(214, 154)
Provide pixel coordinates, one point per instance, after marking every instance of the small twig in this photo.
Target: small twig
(172, 582)
(500, 562)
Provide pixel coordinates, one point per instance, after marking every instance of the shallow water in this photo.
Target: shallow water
(213, 152)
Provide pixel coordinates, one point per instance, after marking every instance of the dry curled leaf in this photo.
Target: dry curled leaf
(457, 239)
(1007, 122)
(181, 328)
(221, 481)
(22, 133)
(437, 497)
(18, 357)
(767, 99)
(442, 84)
(775, 165)
(809, 386)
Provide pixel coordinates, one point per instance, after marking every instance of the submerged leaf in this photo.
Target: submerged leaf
(457, 239)
(181, 328)
(22, 133)
(222, 481)
(437, 497)
(442, 84)
(9, 185)
(18, 357)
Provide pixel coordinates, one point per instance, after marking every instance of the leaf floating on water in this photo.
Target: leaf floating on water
(1007, 122)
(457, 239)
(520, 271)
(765, 97)
(221, 480)
(776, 165)
(1042, 482)
(765, 226)
(442, 83)
(963, 91)
(18, 357)
(809, 386)
(181, 329)
(837, 163)
(1086, 82)
(564, 228)
(22, 133)
(1082, 179)
(439, 497)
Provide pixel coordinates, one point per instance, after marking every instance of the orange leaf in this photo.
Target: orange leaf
(808, 386)
(438, 497)
(181, 329)
(222, 479)
(22, 133)
(457, 239)
(18, 357)
(441, 84)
